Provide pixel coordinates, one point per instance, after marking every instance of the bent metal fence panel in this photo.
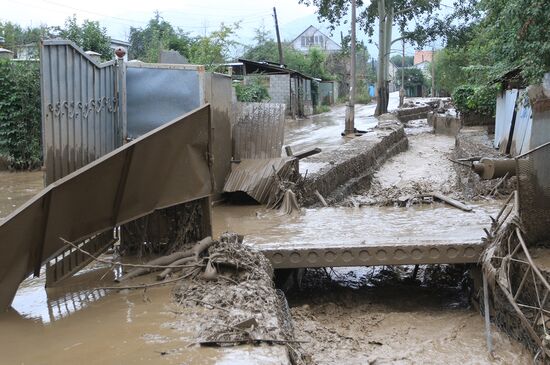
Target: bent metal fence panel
(168, 166)
(80, 108)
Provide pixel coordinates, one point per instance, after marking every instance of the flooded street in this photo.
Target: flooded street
(324, 130)
(16, 188)
(358, 315)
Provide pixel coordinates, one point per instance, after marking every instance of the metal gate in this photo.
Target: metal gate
(80, 108)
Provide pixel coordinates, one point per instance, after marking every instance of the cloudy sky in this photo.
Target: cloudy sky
(118, 16)
(193, 16)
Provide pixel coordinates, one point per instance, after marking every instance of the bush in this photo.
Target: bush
(363, 97)
(20, 122)
(475, 99)
(253, 91)
(321, 109)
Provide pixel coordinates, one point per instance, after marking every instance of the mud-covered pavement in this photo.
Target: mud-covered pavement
(382, 316)
(348, 316)
(324, 130)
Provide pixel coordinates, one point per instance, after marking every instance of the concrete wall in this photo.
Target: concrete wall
(279, 89)
(350, 169)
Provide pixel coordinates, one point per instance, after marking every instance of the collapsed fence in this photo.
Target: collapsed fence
(518, 283)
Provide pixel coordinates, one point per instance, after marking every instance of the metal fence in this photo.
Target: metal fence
(258, 131)
(534, 194)
(80, 108)
(157, 93)
(138, 178)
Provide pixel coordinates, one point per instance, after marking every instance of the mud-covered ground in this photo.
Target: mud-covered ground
(425, 167)
(383, 316)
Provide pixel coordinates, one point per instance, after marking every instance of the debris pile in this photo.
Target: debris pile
(237, 285)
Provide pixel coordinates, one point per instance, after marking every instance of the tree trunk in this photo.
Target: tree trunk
(388, 36)
(380, 82)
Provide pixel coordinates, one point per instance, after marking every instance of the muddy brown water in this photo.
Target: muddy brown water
(343, 323)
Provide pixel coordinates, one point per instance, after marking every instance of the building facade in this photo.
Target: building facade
(313, 37)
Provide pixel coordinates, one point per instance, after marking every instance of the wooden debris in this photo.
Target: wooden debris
(321, 199)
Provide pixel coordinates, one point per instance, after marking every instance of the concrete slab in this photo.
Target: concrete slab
(368, 236)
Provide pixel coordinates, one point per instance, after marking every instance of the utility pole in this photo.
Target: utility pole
(402, 90)
(281, 59)
(433, 72)
(350, 109)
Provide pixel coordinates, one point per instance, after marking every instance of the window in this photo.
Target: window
(303, 41)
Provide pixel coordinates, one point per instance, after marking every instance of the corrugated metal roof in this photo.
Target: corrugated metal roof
(256, 177)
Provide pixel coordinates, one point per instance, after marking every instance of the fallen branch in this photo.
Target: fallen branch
(450, 201)
(165, 261)
(109, 262)
(320, 197)
(176, 264)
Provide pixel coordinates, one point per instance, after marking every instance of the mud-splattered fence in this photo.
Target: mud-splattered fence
(258, 130)
(81, 118)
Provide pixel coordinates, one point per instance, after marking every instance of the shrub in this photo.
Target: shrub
(20, 123)
(475, 99)
(253, 91)
(321, 109)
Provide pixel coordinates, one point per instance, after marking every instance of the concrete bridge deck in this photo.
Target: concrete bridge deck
(370, 236)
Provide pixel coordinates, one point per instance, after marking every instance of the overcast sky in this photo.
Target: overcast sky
(193, 16)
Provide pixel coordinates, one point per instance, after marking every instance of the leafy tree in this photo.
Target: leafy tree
(414, 77)
(398, 60)
(89, 36)
(20, 113)
(215, 47)
(146, 43)
(14, 35)
(388, 12)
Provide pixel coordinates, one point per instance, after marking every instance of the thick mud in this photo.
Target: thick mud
(348, 316)
(382, 316)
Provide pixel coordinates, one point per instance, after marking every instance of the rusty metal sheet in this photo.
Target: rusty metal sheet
(256, 177)
(167, 166)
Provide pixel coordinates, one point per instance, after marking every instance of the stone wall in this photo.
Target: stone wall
(418, 112)
(350, 168)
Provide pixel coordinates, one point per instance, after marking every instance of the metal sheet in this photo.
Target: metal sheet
(218, 91)
(256, 177)
(165, 167)
(156, 95)
(258, 131)
(80, 108)
(503, 127)
(522, 129)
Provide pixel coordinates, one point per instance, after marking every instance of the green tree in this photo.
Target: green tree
(14, 35)
(89, 36)
(387, 12)
(398, 59)
(20, 113)
(214, 47)
(146, 43)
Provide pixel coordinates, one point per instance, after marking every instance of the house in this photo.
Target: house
(6, 54)
(27, 51)
(284, 85)
(423, 56)
(313, 37)
(425, 67)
